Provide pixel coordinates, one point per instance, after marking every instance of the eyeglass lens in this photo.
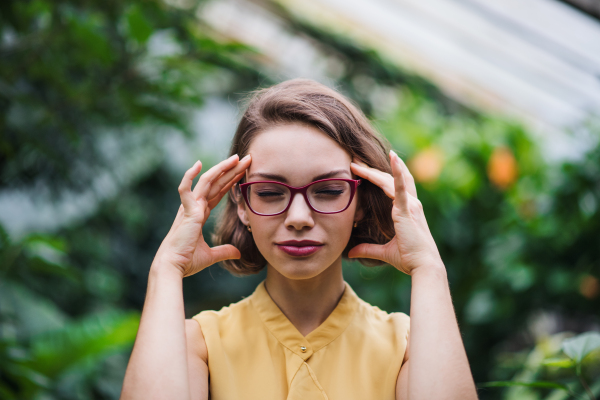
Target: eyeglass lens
(272, 198)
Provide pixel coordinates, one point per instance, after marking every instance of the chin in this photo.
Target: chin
(302, 275)
(299, 269)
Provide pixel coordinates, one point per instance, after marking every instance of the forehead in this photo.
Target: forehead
(297, 152)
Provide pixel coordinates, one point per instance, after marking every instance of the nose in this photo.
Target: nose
(299, 214)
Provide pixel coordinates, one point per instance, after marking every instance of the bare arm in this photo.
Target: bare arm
(402, 381)
(438, 367)
(197, 360)
(169, 358)
(158, 367)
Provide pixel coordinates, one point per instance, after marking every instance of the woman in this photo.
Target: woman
(309, 182)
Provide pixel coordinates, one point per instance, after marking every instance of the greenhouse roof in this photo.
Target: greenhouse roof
(538, 60)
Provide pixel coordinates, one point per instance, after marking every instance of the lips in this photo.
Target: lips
(300, 248)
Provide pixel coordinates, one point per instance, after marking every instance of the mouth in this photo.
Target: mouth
(299, 248)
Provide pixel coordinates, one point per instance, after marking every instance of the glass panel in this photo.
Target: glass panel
(330, 196)
(268, 198)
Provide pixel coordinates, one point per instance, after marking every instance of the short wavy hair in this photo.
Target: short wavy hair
(306, 101)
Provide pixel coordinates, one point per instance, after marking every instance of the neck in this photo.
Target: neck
(307, 302)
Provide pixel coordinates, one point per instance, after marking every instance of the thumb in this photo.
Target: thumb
(368, 250)
(224, 252)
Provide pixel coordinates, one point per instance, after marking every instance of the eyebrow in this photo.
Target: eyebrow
(280, 178)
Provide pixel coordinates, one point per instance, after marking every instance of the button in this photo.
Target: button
(303, 349)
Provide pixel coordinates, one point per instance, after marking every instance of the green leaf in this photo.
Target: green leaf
(33, 314)
(139, 27)
(94, 336)
(56, 243)
(580, 346)
(559, 362)
(30, 375)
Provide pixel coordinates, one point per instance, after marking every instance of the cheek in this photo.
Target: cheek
(264, 232)
(339, 232)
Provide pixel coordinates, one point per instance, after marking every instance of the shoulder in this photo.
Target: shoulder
(226, 323)
(396, 324)
(385, 333)
(225, 314)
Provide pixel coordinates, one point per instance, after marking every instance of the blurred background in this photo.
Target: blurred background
(105, 104)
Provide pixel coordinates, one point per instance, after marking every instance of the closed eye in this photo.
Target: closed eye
(330, 191)
(268, 194)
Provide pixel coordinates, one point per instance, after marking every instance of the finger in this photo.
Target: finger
(214, 173)
(224, 252)
(185, 188)
(203, 185)
(368, 250)
(401, 194)
(408, 178)
(383, 180)
(226, 177)
(212, 203)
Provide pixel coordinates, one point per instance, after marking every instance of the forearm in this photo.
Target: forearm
(157, 368)
(438, 368)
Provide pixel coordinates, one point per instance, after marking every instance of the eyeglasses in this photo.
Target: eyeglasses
(325, 196)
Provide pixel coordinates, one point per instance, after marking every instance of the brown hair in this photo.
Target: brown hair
(308, 102)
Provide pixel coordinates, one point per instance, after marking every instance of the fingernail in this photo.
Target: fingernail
(233, 156)
(246, 157)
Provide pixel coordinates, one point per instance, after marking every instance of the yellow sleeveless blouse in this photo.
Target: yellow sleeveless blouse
(254, 351)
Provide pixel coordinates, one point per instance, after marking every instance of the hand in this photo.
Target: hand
(184, 247)
(413, 246)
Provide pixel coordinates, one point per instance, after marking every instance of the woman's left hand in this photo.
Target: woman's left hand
(413, 246)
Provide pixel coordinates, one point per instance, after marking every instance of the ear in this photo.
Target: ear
(359, 214)
(241, 210)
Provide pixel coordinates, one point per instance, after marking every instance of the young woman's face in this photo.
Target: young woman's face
(298, 154)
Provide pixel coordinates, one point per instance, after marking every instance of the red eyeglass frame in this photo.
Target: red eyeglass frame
(293, 190)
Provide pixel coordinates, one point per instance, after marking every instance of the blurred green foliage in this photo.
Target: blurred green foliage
(545, 365)
(84, 85)
(73, 70)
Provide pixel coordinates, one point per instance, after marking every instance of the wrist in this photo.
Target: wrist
(161, 269)
(433, 269)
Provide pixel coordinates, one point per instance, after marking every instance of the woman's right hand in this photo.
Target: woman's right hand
(184, 248)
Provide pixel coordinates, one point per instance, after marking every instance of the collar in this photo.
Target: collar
(287, 334)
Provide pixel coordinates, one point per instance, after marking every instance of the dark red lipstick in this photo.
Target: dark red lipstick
(300, 248)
